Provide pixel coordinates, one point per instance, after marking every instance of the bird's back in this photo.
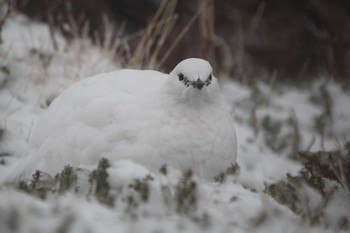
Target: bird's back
(92, 100)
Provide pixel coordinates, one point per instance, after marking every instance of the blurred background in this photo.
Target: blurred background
(245, 39)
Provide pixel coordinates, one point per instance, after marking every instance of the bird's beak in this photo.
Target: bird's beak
(198, 84)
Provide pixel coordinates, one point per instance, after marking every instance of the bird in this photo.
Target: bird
(178, 119)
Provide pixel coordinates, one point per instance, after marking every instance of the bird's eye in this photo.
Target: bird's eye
(210, 77)
(181, 76)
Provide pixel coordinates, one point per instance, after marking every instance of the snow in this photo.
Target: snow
(239, 204)
(30, 84)
(123, 172)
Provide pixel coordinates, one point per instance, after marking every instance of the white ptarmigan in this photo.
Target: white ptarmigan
(151, 118)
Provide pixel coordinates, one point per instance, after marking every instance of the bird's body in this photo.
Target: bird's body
(146, 116)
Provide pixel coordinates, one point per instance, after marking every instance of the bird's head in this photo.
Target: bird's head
(192, 80)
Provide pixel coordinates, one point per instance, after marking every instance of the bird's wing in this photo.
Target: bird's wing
(92, 100)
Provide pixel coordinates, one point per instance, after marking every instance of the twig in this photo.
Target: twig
(49, 16)
(163, 31)
(139, 52)
(339, 173)
(256, 19)
(271, 86)
(297, 135)
(206, 25)
(6, 16)
(311, 143)
(181, 35)
(255, 122)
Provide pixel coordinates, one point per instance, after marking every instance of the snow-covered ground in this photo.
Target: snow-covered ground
(272, 123)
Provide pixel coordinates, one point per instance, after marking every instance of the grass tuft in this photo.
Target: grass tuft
(141, 187)
(163, 170)
(222, 176)
(67, 179)
(38, 186)
(100, 186)
(186, 194)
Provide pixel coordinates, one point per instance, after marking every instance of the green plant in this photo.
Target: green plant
(163, 170)
(141, 187)
(222, 176)
(186, 194)
(99, 183)
(37, 186)
(67, 179)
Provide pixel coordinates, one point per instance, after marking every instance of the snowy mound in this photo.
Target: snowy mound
(149, 117)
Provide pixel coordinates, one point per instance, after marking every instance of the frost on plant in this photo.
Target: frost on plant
(99, 183)
(67, 179)
(40, 185)
(186, 194)
(325, 176)
(231, 170)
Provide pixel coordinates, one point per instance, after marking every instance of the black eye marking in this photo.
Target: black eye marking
(209, 79)
(188, 83)
(183, 79)
(181, 76)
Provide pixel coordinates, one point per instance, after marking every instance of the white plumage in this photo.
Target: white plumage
(149, 117)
